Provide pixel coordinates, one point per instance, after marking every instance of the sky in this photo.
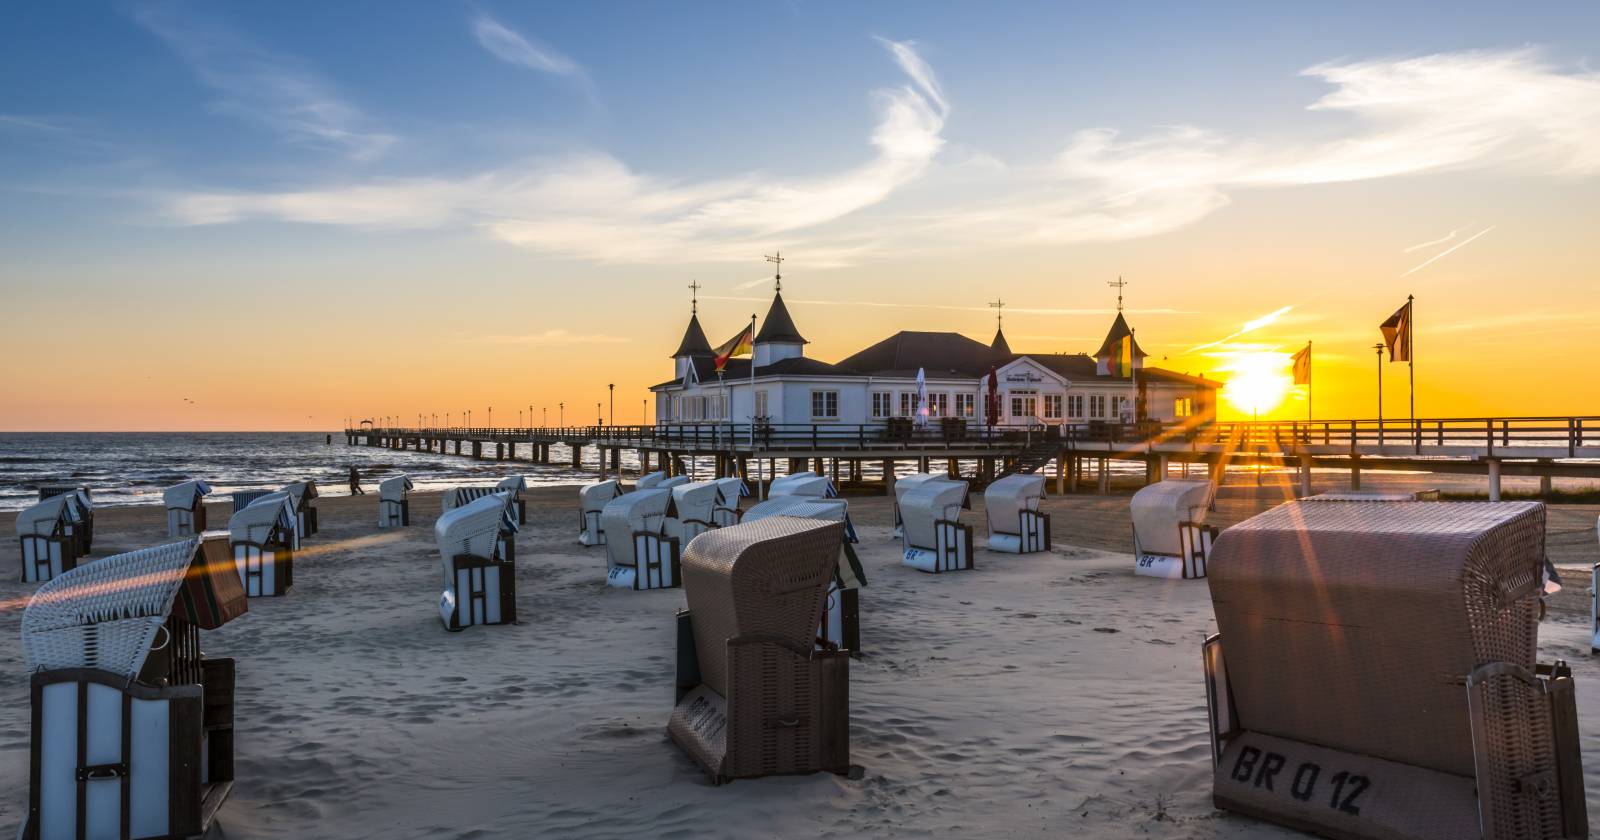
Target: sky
(278, 216)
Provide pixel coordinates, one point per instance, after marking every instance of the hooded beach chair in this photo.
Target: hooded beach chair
(305, 514)
(840, 627)
(132, 727)
(514, 485)
(755, 697)
(244, 498)
(935, 538)
(262, 540)
(1374, 674)
(186, 509)
(649, 480)
(82, 530)
(802, 484)
(46, 532)
(903, 485)
(1170, 537)
(478, 559)
(394, 509)
(693, 510)
(592, 499)
(727, 510)
(1011, 505)
(639, 554)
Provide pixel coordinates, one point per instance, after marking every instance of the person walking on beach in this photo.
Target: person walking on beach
(355, 482)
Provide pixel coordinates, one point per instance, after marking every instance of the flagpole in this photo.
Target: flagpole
(1311, 387)
(1411, 367)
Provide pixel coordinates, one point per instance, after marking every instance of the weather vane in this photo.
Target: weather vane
(1119, 283)
(776, 258)
(998, 305)
(694, 297)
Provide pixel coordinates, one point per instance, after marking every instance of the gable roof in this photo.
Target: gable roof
(694, 340)
(778, 326)
(904, 352)
(1119, 330)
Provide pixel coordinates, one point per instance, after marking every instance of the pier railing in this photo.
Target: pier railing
(720, 436)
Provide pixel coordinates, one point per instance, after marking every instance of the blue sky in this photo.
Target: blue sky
(1227, 158)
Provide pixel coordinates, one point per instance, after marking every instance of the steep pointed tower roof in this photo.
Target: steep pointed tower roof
(694, 340)
(1119, 331)
(999, 344)
(778, 326)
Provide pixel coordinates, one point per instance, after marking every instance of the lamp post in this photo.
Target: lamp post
(598, 419)
(612, 391)
(561, 416)
(491, 416)
(1378, 349)
(545, 410)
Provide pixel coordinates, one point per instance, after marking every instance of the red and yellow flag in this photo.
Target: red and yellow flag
(1122, 362)
(739, 345)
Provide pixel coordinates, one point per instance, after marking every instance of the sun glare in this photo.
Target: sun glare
(1257, 382)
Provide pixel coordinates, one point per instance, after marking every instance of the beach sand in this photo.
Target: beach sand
(1048, 695)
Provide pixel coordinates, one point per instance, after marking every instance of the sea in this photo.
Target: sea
(132, 468)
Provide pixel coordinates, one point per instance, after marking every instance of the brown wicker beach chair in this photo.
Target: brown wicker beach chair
(754, 696)
(1374, 675)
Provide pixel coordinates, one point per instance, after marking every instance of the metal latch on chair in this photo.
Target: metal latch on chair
(102, 772)
(1537, 785)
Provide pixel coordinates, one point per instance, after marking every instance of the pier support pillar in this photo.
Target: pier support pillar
(1074, 468)
(577, 457)
(888, 477)
(1105, 477)
(602, 463)
(1355, 472)
(1494, 479)
(1061, 473)
(616, 459)
(1162, 462)
(835, 468)
(499, 452)
(1305, 476)
(644, 461)
(477, 450)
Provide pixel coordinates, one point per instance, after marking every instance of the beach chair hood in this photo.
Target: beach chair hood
(649, 480)
(1006, 498)
(474, 528)
(595, 496)
(513, 484)
(184, 496)
(301, 492)
(628, 514)
(43, 517)
(256, 521)
(696, 500)
(394, 489)
(1159, 508)
(733, 489)
(803, 484)
(106, 615)
(930, 501)
(669, 483)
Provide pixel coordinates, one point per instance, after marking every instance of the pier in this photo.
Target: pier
(1546, 447)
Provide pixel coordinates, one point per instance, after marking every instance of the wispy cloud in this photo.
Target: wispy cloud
(1248, 327)
(1440, 241)
(911, 304)
(1446, 252)
(555, 336)
(592, 206)
(280, 92)
(510, 46)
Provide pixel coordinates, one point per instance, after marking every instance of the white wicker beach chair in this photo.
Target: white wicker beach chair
(903, 485)
(727, 511)
(592, 499)
(45, 531)
(394, 509)
(693, 510)
(478, 562)
(1170, 537)
(82, 529)
(132, 725)
(803, 484)
(514, 485)
(840, 628)
(935, 538)
(262, 539)
(186, 509)
(305, 514)
(1011, 506)
(639, 555)
(649, 480)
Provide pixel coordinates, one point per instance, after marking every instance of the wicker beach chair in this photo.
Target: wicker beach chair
(83, 526)
(301, 493)
(840, 626)
(186, 509)
(903, 485)
(592, 499)
(478, 561)
(394, 509)
(245, 498)
(935, 538)
(727, 510)
(754, 695)
(1374, 674)
(1170, 537)
(693, 510)
(649, 480)
(262, 538)
(46, 533)
(802, 484)
(1011, 507)
(639, 553)
(514, 485)
(132, 726)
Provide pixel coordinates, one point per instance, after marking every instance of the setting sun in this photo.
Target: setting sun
(1258, 382)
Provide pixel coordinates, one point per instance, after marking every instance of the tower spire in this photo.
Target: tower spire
(998, 306)
(694, 297)
(776, 258)
(1119, 284)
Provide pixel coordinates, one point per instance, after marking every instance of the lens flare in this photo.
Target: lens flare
(1257, 382)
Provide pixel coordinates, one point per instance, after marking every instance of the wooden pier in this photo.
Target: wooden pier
(1546, 447)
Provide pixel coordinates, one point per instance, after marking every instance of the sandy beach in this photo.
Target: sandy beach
(1048, 695)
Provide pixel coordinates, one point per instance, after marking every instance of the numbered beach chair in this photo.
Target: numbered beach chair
(592, 499)
(803, 484)
(1170, 537)
(262, 540)
(514, 485)
(394, 509)
(301, 493)
(46, 533)
(754, 695)
(186, 508)
(727, 510)
(639, 554)
(935, 538)
(1375, 674)
(132, 726)
(83, 526)
(902, 486)
(478, 558)
(1011, 505)
(693, 510)
(840, 627)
